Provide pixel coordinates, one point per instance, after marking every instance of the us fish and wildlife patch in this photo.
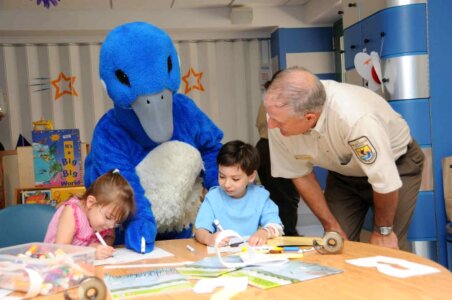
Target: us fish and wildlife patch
(364, 150)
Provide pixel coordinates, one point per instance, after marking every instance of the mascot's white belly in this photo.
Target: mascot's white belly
(169, 175)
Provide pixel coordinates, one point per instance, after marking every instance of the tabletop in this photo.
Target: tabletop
(353, 283)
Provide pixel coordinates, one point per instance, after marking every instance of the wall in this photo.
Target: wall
(312, 49)
(440, 49)
(410, 43)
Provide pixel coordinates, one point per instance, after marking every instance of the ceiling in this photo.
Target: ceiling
(144, 4)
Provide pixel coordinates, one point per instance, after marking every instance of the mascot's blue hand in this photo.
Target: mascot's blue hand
(140, 228)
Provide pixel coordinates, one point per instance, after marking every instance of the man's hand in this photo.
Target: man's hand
(388, 241)
(339, 230)
(137, 229)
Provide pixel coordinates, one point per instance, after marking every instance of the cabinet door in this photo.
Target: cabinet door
(372, 33)
(351, 13)
(405, 30)
(352, 44)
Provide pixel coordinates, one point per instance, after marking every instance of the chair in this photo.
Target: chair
(25, 223)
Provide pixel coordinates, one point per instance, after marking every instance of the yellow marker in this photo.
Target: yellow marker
(59, 252)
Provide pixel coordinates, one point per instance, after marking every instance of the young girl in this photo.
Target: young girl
(107, 202)
(238, 204)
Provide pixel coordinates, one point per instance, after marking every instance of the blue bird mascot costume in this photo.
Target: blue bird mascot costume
(159, 140)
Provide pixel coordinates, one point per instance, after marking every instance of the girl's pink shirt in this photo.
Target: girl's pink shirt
(84, 234)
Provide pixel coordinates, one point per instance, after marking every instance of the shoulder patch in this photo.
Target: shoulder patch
(364, 150)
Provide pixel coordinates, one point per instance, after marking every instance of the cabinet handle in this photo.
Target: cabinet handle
(366, 41)
(352, 46)
(352, 4)
(341, 12)
(385, 80)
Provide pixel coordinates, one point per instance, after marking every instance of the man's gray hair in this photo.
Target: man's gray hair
(299, 89)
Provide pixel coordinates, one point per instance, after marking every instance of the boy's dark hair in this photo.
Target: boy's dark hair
(239, 153)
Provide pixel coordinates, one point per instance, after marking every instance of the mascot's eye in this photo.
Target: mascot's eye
(122, 77)
(170, 64)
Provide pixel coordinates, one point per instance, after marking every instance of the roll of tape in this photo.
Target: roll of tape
(221, 236)
(332, 243)
(92, 288)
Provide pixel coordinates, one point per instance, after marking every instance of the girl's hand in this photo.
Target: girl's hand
(259, 238)
(103, 252)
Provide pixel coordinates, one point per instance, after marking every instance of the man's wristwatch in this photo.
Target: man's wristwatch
(383, 230)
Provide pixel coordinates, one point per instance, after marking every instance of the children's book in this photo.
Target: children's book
(266, 277)
(57, 158)
(145, 284)
(208, 267)
(36, 197)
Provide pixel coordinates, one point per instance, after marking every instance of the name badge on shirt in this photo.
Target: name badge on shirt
(364, 150)
(303, 157)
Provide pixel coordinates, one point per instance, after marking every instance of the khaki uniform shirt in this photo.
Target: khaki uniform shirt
(357, 134)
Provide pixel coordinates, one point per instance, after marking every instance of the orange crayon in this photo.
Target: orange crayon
(32, 250)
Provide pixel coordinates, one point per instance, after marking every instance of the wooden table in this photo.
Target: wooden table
(354, 283)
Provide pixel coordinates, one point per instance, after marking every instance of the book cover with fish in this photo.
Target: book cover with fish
(57, 158)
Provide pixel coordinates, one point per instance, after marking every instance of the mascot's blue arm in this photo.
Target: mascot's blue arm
(113, 148)
(193, 126)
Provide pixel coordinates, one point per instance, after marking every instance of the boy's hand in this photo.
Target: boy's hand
(103, 252)
(223, 243)
(259, 238)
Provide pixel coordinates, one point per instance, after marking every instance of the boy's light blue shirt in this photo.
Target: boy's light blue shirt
(243, 215)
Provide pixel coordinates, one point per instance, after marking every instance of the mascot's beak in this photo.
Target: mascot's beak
(155, 113)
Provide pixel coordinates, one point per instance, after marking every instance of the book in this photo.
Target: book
(208, 267)
(57, 158)
(37, 196)
(145, 284)
(271, 276)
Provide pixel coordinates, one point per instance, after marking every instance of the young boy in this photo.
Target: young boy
(237, 203)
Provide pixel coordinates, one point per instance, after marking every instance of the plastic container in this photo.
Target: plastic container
(40, 268)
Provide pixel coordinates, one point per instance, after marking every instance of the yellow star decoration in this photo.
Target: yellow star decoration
(197, 86)
(69, 90)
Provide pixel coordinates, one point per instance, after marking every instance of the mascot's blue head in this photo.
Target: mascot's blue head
(140, 69)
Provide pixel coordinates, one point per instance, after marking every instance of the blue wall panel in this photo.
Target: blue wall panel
(440, 49)
(423, 227)
(315, 39)
(417, 115)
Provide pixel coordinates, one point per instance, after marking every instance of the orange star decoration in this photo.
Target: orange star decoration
(188, 86)
(67, 83)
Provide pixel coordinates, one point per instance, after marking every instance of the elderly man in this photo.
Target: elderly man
(373, 161)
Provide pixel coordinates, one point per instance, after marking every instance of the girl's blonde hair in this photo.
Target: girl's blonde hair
(113, 188)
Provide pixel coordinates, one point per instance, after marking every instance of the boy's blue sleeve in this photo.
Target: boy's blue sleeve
(205, 216)
(270, 213)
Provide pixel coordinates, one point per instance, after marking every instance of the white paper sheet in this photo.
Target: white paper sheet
(123, 255)
(395, 267)
(232, 286)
